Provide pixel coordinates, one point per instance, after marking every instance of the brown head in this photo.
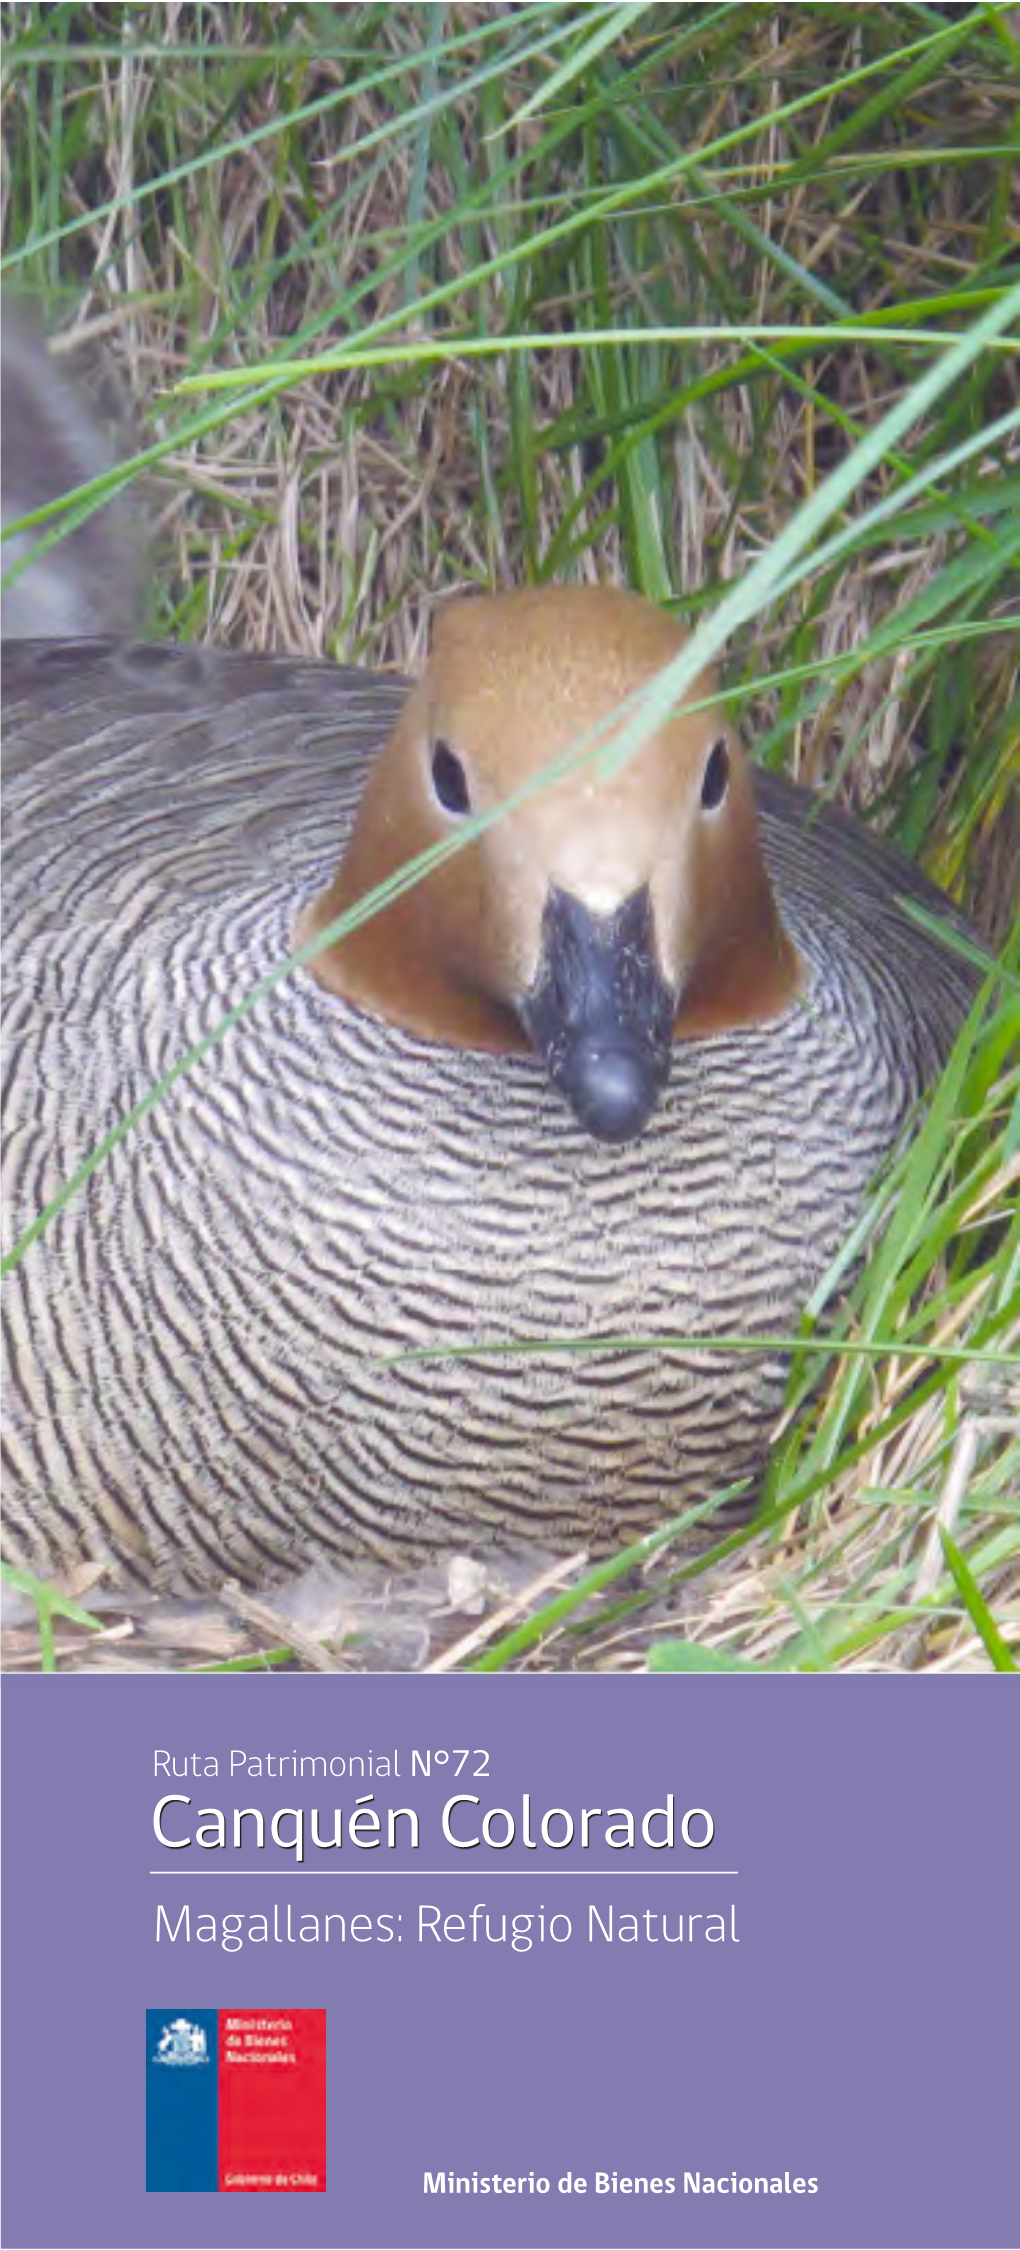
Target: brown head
(601, 918)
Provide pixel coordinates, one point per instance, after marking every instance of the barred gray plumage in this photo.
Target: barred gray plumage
(203, 1346)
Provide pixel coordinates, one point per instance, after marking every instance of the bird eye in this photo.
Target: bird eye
(715, 780)
(449, 780)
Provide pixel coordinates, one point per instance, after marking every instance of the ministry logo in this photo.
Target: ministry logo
(240, 2107)
(182, 2042)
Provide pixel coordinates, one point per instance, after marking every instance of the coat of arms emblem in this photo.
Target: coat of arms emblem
(182, 2042)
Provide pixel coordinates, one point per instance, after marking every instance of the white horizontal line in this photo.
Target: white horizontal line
(433, 1872)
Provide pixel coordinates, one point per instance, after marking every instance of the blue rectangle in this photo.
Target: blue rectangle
(181, 2099)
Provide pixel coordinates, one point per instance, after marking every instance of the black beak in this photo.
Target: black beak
(601, 1014)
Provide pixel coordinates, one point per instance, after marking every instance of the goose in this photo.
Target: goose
(623, 1068)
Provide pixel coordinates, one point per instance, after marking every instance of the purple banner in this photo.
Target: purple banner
(733, 1954)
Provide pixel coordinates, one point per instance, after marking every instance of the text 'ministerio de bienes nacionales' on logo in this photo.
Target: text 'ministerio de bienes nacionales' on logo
(235, 2100)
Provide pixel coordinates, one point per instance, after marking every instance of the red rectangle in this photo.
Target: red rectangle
(272, 2072)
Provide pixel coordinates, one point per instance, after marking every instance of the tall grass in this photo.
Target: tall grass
(421, 298)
